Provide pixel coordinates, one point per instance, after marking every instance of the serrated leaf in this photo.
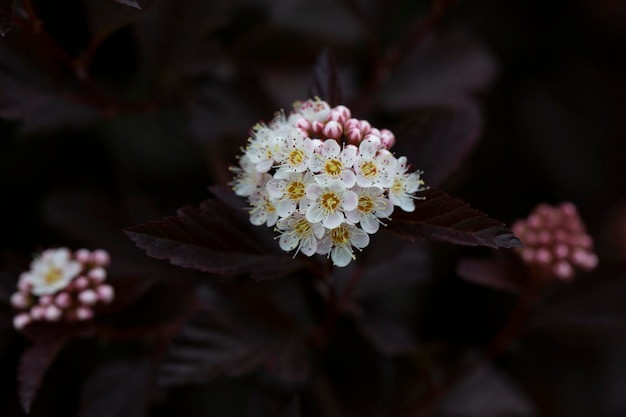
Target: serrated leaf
(34, 362)
(438, 141)
(443, 218)
(211, 238)
(499, 273)
(326, 83)
(131, 3)
(7, 8)
(104, 395)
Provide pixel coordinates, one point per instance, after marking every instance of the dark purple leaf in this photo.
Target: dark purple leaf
(498, 272)
(388, 336)
(116, 389)
(131, 3)
(292, 409)
(438, 141)
(442, 72)
(444, 218)
(211, 239)
(7, 8)
(326, 83)
(34, 363)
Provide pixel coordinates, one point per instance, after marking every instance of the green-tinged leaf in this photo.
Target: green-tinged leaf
(211, 238)
(444, 218)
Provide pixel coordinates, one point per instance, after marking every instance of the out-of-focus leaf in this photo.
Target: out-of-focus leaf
(485, 393)
(7, 8)
(230, 339)
(444, 218)
(57, 112)
(387, 336)
(498, 272)
(442, 72)
(34, 363)
(131, 3)
(116, 389)
(211, 239)
(292, 409)
(326, 83)
(105, 17)
(438, 141)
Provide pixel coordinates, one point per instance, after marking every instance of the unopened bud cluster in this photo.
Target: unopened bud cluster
(323, 179)
(555, 241)
(62, 286)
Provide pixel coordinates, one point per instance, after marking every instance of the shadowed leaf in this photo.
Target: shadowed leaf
(211, 239)
(326, 83)
(7, 8)
(131, 3)
(34, 363)
(499, 273)
(386, 335)
(444, 218)
(105, 396)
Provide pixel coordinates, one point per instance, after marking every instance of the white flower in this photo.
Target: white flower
(332, 163)
(300, 234)
(262, 147)
(339, 242)
(374, 166)
(328, 203)
(52, 271)
(262, 210)
(315, 110)
(289, 193)
(247, 178)
(404, 186)
(294, 153)
(372, 206)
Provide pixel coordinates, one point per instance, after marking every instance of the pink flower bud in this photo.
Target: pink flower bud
(343, 111)
(545, 237)
(45, 300)
(317, 127)
(388, 138)
(354, 136)
(561, 251)
(37, 312)
(528, 255)
(82, 255)
(374, 132)
(88, 297)
(303, 124)
(332, 130)
(21, 320)
(529, 238)
(63, 300)
(19, 300)
(563, 270)
(23, 284)
(81, 282)
(351, 124)
(84, 313)
(97, 274)
(365, 127)
(100, 257)
(105, 293)
(52, 313)
(543, 256)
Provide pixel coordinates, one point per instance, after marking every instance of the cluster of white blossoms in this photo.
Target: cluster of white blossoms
(61, 285)
(323, 179)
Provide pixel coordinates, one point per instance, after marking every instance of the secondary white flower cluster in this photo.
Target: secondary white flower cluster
(323, 179)
(62, 285)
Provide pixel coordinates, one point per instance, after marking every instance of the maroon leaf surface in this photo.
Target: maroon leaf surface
(34, 363)
(444, 218)
(386, 335)
(7, 8)
(211, 238)
(131, 3)
(499, 272)
(326, 83)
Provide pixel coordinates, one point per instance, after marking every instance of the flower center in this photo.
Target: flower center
(330, 202)
(368, 169)
(333, 167)
(53, 276)
(303, 228)
(340, 235)
(365, 204)
(397, 186)
(296, 157)
(295, 190)
(269, 206)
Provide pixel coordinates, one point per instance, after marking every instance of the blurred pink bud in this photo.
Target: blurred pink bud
(88, 297)
(351, 124)
(81, 282)
(84, 313)
(52, 313)
(374, 132)
(332, 130)
(63, 300)
(563, 270)
(19, 300)
(388, 138)
(561, 251)
(365, 127)
(82, 255)
(100, 257)
(342, 112)
(21, 320)
(45, 299)
(354, 136)
(105, 293)
(303, 124)
(544, 237)
(97, 274)
(543, 256)
(38, 312)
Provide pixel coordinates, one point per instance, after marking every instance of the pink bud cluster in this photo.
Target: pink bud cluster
(555, 241)
(62, 286)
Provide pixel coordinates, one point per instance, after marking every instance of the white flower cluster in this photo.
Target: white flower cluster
(61, 285)
(323, 179)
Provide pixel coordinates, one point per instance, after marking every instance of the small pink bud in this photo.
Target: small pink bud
(535, 221)
(19, 300)
(21, 320)
(374, 132)
(543, 256)
(84, 313)
(561, 251)
(63, 300)
(528, 255)
(563, 270)
(354, 136)
(88, 297)
(317, 127)
(105, 293)
(332, 130)
(561, 236)
(365, 127)
(23, 284)
(100, 257)
(52, 313)
(37, 312)
(82, 255)
(97, 274)
(351, 124)
(545, 237)
(343, 111)
(82, 282)
(303, 124)
(45, 300)
(529, 238)
(569, 209)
